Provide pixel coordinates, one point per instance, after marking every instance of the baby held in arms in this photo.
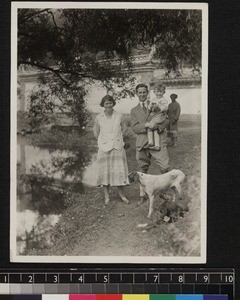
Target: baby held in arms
(158, 112)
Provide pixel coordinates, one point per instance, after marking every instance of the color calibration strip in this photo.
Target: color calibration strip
(114, 297)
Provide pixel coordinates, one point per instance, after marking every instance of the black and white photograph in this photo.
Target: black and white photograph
(109, 132)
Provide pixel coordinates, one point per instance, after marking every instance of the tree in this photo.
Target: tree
(73, 47)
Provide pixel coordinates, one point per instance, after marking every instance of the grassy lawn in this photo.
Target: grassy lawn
(87, 227)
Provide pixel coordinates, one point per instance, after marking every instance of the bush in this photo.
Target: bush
(186, 233)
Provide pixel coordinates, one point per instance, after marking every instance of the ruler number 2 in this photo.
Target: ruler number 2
(30, 278)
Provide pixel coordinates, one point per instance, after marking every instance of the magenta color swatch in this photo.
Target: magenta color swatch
(82, 297)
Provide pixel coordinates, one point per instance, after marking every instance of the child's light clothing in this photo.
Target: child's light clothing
(158, 112)
(162, 103)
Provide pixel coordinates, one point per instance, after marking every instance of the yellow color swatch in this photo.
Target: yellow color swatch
(135, 297)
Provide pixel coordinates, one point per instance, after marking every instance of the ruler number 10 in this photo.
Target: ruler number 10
(228, 278)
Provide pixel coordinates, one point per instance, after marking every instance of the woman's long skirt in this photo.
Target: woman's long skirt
(112, 168)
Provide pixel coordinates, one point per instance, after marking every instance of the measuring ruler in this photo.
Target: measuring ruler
(118, 281)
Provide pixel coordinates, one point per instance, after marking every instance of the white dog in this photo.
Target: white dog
(155, 184)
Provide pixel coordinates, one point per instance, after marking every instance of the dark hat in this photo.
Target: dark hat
(174, 96)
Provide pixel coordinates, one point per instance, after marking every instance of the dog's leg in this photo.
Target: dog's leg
(142, 191)
(151, 206)
(142, 194)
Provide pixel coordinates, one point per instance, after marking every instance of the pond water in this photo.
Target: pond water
(46, 183)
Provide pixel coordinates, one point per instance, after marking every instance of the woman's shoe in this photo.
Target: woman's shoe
(124, 199)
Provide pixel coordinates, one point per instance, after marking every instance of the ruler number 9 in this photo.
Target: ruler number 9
(205, 278)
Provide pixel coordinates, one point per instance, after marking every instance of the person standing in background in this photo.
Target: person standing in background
(174, 110)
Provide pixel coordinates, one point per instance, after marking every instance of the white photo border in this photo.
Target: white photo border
(13, 147)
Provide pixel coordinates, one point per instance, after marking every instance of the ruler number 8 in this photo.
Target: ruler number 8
(180, 278)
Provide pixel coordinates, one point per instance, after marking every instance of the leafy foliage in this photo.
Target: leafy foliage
(73, 47)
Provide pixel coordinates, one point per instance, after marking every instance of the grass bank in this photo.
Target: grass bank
(87, 227)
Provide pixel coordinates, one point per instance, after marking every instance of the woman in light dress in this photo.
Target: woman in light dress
(112, 169)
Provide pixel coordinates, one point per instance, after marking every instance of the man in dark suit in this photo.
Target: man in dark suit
(139, 119)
